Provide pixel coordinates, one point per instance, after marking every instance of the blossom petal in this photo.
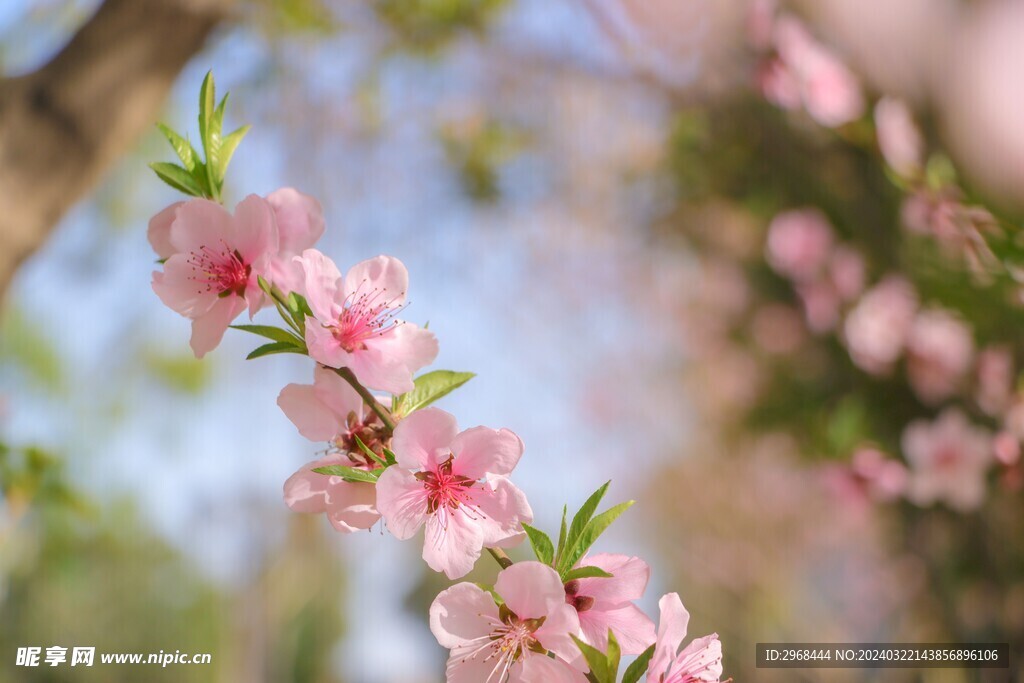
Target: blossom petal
(671, 631)
(467, 665)
(255, 230)
(423, 440)
(554, 634)
(402, 501)
(633, 629)
(322, 280)
(159, 231)
(481, 450)
(540, 668)
(178, 290)
(460, 615)
(209, 328)
(382, 276)
(452, 543)
(377, 369)
(503, 509)
(313, 418)
(337, 394)
(700, 661)
(629, 579)
(323, 347)
(306, 490)
(351, 506)
(410, 344)
(300, 220)
(199, 223)
(530, 589)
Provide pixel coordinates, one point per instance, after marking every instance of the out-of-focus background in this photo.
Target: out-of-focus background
(757, 262)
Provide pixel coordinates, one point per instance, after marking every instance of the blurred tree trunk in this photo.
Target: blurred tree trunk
(63, 126)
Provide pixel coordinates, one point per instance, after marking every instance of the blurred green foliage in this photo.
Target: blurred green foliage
(28, 349)
(426, 26)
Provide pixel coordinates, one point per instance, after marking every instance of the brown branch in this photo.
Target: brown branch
(63, 126)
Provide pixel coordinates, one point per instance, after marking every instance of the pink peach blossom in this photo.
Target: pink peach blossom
(698, 662)
(456, 484)
(821, 303)
(870, 477)
(949, 459)
(898, 136)
(847, 271)
(607, 603)
(830, 92)
(876, 330)
(355, 323)
(799, 244)
(995, 379)
(214, 259)
(330, 410)
(510, 643)
(300, 223)
(940, 350)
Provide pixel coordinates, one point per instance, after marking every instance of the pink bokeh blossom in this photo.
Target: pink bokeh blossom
(940, 351)
(607, 603)
(355, 321)
(456, 484)
(898, 136)
(330, 410)
(509, 643)
(698, 662)
(877, 328)
(212, 262)
(949, 459)
(828, 90)
(799, 244)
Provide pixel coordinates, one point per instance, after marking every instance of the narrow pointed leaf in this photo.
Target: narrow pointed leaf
(178, 178)
(596, 660)
(228, 146)
(542, 547)
(276, 347)
(206, 107)
(181, 147)
(275, 333)
(579, 522)
(586, 573)
(430, 387)
(561, 535)
(369, 453)
(639, 666)
(349, 473)
(597, 526)
(614, 655)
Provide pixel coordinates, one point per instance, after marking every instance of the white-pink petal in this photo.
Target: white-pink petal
(423, 439)
(402, 501)
(313, 418)
(383, 276)
(480, 451)
(530, 589)
(459, 615)
(452, 542)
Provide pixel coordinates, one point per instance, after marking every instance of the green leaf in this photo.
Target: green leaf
(267, 288)
(597, 526)
(430, 387)
(561, 533)
(614, 655)
(596, 660)
(276, 347)
(228, 146)
(368, 453)
(639, 666)
(542, 547)
(389, 457)
(585, 573)
(579, 522)
(181, 147)
(275, 333)
(349, 473)
(207, 97)
(178, 178)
